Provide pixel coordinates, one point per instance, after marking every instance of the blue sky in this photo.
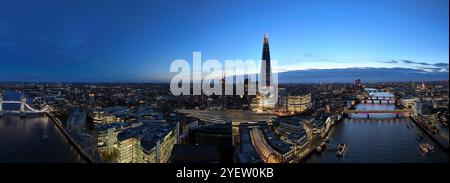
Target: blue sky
(108, 40)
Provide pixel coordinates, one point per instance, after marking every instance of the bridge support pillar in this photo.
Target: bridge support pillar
(368, 116)
(1, 105)
(396, 116)
(23, 100)
(1, 109)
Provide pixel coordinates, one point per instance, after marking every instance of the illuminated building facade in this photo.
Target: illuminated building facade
(299, 103)
(266, 101)
(267, 154)
(107, 136)
(150, 143)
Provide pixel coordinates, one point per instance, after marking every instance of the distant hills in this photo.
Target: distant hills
(347, 75)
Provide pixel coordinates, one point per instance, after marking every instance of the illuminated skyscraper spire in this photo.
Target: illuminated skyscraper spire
(266, 70)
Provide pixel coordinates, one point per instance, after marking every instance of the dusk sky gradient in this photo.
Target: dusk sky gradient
(108, 40)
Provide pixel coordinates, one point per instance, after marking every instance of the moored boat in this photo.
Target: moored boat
(327, 139)
(341, 149)
(424, 148)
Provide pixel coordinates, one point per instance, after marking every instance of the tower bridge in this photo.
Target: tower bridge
(24, 107)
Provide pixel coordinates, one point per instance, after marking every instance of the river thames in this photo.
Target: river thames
(381, 139)
(21, 142)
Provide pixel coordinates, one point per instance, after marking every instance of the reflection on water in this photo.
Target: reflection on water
(385, 140)
(20, 138)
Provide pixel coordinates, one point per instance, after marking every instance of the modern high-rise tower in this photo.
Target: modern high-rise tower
(267, 90)
(266, 70)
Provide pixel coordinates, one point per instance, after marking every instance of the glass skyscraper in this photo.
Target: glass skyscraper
(266, 70)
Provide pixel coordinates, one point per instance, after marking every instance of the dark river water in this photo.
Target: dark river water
(21, 142)
(381, 139)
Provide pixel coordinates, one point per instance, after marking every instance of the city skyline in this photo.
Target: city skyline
(136, 42)
(191, 90)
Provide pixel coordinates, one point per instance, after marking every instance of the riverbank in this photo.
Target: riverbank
(443, 143)
(378, 141)
(318, 141)
(383, 138)
(72, 141)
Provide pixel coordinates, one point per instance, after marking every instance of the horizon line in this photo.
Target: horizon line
(145, 82)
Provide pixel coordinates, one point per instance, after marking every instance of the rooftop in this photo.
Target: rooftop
(148, 134)
(184, 153)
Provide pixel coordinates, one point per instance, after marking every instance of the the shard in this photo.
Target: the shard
(266, 70)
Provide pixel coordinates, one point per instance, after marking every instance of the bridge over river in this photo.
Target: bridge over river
(24, 109)
(389, 136)
(398, 112)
